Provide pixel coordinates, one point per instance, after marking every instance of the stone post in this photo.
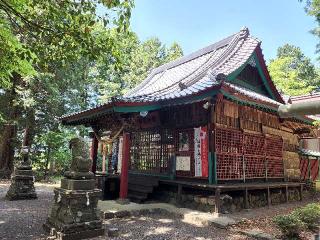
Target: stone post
(22, 179)
(74, 213)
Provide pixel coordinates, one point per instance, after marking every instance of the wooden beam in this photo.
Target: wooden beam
(287, 194)
(94, 153)
(300, 192)
(246, 198)
(125, 166)
(268, 197)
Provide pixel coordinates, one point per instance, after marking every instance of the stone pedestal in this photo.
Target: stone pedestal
(74, 214)
(22, 183)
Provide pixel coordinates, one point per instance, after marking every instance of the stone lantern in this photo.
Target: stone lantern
(22, 180)
(74, 213)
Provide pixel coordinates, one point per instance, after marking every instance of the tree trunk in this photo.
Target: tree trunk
(29, 131)
(9, 135)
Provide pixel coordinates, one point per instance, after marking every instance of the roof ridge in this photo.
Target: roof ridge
(244, 32)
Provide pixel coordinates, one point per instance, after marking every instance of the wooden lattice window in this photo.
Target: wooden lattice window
(152, 151)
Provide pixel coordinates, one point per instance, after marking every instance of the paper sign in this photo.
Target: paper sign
(183, 163)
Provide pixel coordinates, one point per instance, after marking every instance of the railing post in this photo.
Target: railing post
(125, 166)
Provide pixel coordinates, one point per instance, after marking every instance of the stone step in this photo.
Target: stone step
(137, 196)
(143, 180)
(140, 188)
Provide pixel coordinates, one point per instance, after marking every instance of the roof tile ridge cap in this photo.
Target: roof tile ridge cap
(169, 63)
(242, 35)
(179, 81)
(223, 57)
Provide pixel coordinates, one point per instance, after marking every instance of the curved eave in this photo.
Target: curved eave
(91, 115)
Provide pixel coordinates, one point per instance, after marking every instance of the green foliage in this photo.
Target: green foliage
(292, 72)
(309, 214)
(47, 50)
(316, 123)
(137, 58)
(52, 147)
(290, 225)
(300, 219)
(313, 9)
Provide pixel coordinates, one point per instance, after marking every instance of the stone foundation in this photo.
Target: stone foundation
(231, 202)
(22, 183)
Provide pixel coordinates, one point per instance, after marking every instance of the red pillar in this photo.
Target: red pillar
(125, 166)
(94, 153)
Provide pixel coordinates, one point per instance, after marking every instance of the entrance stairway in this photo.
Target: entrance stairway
(140, 186)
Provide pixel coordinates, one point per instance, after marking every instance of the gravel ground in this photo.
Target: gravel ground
(23, 220)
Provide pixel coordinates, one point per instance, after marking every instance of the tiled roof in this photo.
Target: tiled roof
(197, 71)
(194, 74)
(252, 94)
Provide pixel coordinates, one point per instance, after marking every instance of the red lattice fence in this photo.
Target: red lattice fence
(243, 156)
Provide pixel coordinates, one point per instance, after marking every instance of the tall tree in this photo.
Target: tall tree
(313, 9)
(139, 58)
(293, 72)
(41, 37)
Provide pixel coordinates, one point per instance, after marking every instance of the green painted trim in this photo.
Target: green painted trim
(232, 77)
(249, 103)
(128, 109)
(214, 160)
(263, 76)
(248, 86)
(164, 176)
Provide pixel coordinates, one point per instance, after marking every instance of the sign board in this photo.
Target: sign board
(183, 163)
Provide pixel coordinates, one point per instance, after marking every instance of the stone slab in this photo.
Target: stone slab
(257, 234)
(22, 172)
(222, 222)
(112, 209)
(73, 184)
(22, 177)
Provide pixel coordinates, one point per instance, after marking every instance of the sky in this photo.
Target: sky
(194, 24)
